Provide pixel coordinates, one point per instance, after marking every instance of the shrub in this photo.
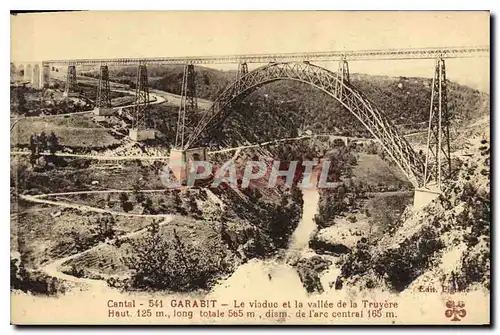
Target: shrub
(399, 267)
(159, 264)
(475, 267)
(75, 271)
(104, 227)
(33, 282)
(359, 260)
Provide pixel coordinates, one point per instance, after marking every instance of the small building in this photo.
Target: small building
(141, 134)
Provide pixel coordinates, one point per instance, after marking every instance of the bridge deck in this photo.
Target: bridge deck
(388, 54)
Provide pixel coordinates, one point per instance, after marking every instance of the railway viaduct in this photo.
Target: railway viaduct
(428, 176)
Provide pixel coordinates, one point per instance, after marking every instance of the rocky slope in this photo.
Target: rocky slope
(446, 244)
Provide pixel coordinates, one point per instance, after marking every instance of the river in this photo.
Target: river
(275, 277)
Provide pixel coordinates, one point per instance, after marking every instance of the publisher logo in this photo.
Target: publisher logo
(455, 310)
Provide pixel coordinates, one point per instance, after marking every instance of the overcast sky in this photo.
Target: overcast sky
(149, 34)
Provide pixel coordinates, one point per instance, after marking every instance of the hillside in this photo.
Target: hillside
(285, 108)
(445, 246)
(210, 82)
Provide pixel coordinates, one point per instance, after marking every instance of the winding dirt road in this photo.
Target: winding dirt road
(86, 208)
(52, 269)
(156, 99)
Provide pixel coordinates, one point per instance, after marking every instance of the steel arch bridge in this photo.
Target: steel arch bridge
(332, 84)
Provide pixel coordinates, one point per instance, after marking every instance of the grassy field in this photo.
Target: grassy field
(44, 233)
(72, 131)
(374, 171)
(40, 237)
(105, 261)
(83, 175)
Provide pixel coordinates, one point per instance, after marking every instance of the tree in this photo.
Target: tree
(165, 207)
(174, 265)
(42, 142)
(79, 242)
(149, 260)
(104, 228)
(213, 213)
(194, 268)
(178, 205)
(109, 202)
(148, 206)
(123, 197)
(33, 150)
(19, 101)
(126, 205)
(193, 208)
(283, 219)
(53, 143)
(136, 191)
(206, 79)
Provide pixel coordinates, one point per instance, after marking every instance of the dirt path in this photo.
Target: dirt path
(52, 269)
(158, 99)
(40, 196)
(96, 157)
(175, 99)
(85, 208)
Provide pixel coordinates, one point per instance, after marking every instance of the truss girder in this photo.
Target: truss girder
(328, 56)
(350, 97)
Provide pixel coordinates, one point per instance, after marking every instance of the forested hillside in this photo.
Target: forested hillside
(210, 82)
(285, 108)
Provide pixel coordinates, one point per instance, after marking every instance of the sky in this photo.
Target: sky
(103, 34)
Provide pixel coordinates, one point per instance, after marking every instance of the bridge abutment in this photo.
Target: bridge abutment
(45, 76)
(35, 74)
(71, 85)
(177, 164)
(423, 197)
(28, 73)
(182, 160)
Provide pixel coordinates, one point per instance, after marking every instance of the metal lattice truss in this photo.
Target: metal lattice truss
(242, 71)
(190, 92)
(141, 96)
(103, 90)
(343, 75)
(438, 159)
(332, 84)
(189, 103)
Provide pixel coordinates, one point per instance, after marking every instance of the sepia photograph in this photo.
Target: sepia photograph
(250, 168)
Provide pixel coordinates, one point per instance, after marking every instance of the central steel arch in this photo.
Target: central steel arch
(330, 83)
